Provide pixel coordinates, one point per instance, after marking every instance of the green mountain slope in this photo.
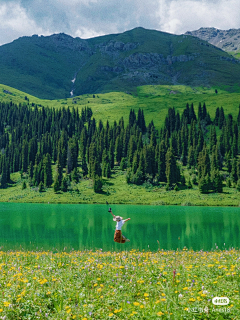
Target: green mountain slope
(57, 66)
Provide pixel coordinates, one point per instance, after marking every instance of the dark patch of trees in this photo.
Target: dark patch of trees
(32, 139)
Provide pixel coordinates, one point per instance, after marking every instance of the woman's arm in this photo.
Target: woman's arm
(127, 219)
(110, 210)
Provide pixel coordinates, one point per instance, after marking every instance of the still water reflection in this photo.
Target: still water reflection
(79, 227)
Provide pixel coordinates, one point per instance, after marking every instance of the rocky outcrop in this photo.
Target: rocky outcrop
(138, 60)
(116, 46)
(227, 40)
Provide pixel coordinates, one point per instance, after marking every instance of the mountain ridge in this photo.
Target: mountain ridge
(227, 40)
(60, 66)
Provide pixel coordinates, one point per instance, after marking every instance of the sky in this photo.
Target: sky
(91, 18)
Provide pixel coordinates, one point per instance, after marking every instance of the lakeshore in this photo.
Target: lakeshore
(117, 191)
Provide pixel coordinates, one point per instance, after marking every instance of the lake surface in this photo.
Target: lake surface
(79, 227)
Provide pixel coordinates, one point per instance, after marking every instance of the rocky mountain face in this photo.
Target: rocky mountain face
(227, 40)
(59, 66)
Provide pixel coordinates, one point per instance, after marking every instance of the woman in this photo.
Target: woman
(118, 236)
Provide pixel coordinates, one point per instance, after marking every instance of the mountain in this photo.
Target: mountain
(59, 66)
(227, 40)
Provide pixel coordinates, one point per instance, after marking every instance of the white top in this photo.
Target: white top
(120, 224)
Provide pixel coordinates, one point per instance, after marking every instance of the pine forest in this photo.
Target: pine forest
(53, 147)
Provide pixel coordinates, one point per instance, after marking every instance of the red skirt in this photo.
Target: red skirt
(118, 237)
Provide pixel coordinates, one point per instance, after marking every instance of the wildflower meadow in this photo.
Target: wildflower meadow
(119, 285)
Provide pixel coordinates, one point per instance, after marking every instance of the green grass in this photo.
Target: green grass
(154, 100)
(119, 285)
(117, 191)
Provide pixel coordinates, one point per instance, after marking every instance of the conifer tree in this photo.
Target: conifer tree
(238, 185)
(192, 115)
(203, 185)
(238, 168)
(111, 154)
(106, 169)
(64, 185)
(204, 111)
(123, 164)
(132, 118)
(35, 179)
(228, 162)
(24, 156)
(131, 149)
(141, 166)
(41, 187)
(203, 163)
(234, 148)
(72, 154)
(191, 158)
(83, 142)
(172, 171)
(94, 165)
(234, 175)
(75, 175)
(217, 182)
(118, 149)
(221, 118)
(216, 119)
(47, 171)
(213, 138)
(97, 184)
(56, 185)
(4, 174)
(30, 170)
(161, 162)
(59, 173)
(84, 166)
(200, 112)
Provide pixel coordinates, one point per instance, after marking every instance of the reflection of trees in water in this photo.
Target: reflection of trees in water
(91, 227)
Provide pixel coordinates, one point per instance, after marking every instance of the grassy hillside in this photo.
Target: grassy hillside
(154, 100)
(46, 66)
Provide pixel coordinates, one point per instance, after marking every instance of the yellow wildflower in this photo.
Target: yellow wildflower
(6, 304)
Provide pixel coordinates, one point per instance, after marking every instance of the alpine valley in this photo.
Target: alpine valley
(141, 117)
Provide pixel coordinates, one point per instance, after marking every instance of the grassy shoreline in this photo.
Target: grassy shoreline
(117, 191)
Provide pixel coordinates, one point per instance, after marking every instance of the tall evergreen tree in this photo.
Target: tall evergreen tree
(172, 170)
(161, 162)
(24, 156)
(234, 175)
(4, 174)
(47, 171)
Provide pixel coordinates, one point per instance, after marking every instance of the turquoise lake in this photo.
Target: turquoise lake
(65, 227)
